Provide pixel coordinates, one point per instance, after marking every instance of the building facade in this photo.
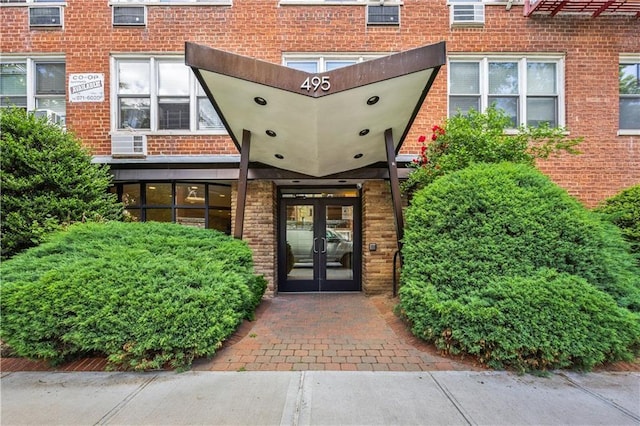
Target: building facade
(114, 73)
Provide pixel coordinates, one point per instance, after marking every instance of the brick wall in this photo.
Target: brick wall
(265, 30)
(379, 228)
(260, 227)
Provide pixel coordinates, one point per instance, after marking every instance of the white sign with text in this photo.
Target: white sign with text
(86, 87)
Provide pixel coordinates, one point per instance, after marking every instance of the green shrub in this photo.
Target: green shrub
(470, 229)
(623, 210)
(47, 180)
(144, 294)
(483, 138)
(546, 321)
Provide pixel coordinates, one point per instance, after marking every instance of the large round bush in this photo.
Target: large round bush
(471, 230)
(144, 294)
(623, 209)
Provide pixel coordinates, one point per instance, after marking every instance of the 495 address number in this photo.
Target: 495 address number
(316, 82)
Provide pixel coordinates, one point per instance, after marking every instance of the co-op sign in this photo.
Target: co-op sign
(87, 87)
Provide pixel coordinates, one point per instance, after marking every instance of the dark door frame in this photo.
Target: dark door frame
(319, 283)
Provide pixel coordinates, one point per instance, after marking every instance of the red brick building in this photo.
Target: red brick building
(114, 73)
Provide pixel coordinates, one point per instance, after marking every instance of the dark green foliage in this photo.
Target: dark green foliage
(484, 138)
(472, 233)
(145, 294)
(623, 210)
(47, 179)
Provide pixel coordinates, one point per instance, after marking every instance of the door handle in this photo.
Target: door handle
(315, 247)
(324, 245)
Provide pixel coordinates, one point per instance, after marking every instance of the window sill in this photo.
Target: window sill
(175, 3)
(629, 132)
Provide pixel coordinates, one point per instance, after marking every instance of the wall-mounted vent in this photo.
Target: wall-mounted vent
(383, 15)
(45, 16)
(129, 15)
(471, 13)
(129, 145)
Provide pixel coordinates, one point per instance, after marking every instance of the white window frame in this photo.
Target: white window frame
(30, 63)
(522, 61)
(172, 2)
(38, 2)
(153, 98)
(623, 59)
(323, 58)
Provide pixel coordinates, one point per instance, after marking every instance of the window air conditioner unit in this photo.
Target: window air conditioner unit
(129, 145)
(51, 116)
(45, 16)
(467, 13)
(129, 15)
(378, 14)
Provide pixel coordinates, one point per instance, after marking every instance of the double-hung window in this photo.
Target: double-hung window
(323, 63)
(35, 84)
(160, 94)
(528, 89)
(629, 82)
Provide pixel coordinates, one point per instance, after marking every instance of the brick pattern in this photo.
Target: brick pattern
(328, 332)
(260, 227)
(378, 228)
(266, 30)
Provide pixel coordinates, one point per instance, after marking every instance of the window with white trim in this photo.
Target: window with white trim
(629, 82)
(175, 2)
(34, 84)
(160, 94)
(323, 63)
(528, 89)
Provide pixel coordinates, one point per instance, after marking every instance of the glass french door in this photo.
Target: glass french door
(319, 245)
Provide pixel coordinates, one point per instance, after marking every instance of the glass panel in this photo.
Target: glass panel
(159, 215)
(462, 104)
(158, 194)
(507, 104)
(338, 242)
(541, 78)
(220, 219)
(135, 113)
(13, 80)
(503, 78)
(190, 217)
(300, 242)
(307, 66)
(191, 194)
(133, 78)
(630, 113)
(50, 79)
(464, 78)
(173, 113)
(131, 194)
(208, 118)
(542, 110)
(173, 79)
(629, 79)
(56, 105)
(220, 196)
(134, 214)
(332, 65)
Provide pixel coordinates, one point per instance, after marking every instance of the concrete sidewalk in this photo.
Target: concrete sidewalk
(319, 398)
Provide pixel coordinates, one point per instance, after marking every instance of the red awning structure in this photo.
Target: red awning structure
(593, 8)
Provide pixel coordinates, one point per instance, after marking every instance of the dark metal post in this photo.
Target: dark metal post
(242, 183)
(395, 185)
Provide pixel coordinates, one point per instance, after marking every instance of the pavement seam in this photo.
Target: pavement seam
(466, 416)
(600, 397)
(115, 410)
(299, 398)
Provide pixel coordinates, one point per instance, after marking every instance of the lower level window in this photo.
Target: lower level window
(629, 79)
(202, 205)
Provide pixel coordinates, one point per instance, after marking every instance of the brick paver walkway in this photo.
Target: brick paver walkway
(327, 332)
(347, 331)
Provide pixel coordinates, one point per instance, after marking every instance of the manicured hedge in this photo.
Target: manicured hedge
(475, 244)
(145, 294)
(623, 209)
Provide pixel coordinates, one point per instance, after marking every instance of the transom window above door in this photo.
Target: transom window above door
(528, 89)
(160, 94)
(323, 63)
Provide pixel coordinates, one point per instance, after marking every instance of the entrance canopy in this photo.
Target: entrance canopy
(317, 124)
